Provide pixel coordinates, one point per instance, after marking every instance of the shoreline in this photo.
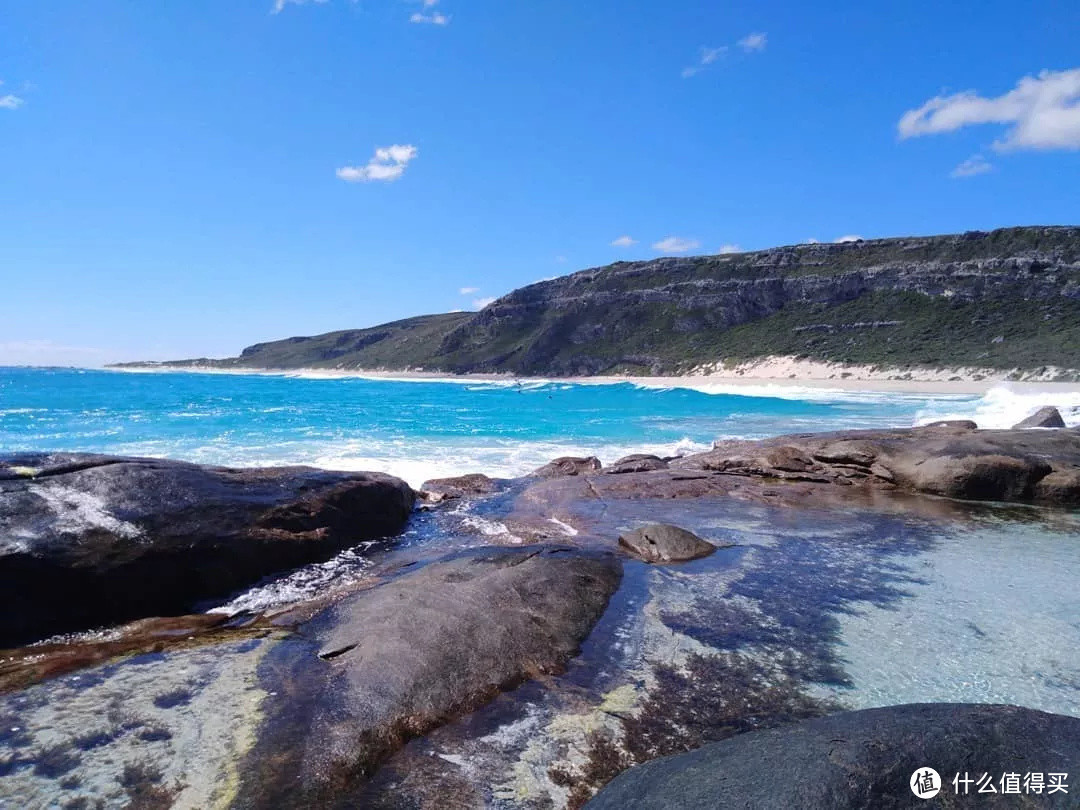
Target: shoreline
(774, 373)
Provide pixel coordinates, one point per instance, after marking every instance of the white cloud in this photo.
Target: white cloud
(854, 237)
(976, 164)
(706, 57)
(279, 5)
(710, 55)
(754, 42)
(560, 259)
(469, 290)
(676, 244)
(1043, 110)
(729, 248)
(387, 165)
(624, 241)
(435, 18)
(480, 303)
(10, 101)
(812, 241)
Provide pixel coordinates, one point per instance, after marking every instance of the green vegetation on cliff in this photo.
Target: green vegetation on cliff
(1001, 300)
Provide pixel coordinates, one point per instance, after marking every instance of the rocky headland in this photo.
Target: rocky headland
(523, 642)
(998, 303)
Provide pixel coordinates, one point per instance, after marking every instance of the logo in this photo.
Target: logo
(925, 783)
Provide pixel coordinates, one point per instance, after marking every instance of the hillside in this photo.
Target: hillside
(1003, 299)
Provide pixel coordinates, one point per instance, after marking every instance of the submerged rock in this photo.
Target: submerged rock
(87, 540)
(861, 760)
(568, 465)
(1048, 417)
(661, 542)
(395, 661)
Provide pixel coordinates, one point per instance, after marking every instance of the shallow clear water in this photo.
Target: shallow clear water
(424, 429)
(864, 607)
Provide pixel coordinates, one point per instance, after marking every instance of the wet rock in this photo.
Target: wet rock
(639, 462)
(860, 760)
(1048, 417)
(88, 540)
(568, 465)
(395, 661)
(459, 487)
(662, 543)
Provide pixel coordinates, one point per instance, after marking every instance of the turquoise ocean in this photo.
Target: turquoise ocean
(428, 428)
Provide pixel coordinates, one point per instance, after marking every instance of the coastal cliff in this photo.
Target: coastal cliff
(1006, 300)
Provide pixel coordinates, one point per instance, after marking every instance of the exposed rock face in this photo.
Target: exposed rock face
(389, 663)
(1048, 417)
(662, 543)
(568, 465)
(950, 459)
(860, 761)
(87, 540)
(638, 462)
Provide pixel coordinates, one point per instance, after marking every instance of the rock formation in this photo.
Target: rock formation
(87, 540)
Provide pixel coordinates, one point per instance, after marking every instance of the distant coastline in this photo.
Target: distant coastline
(780, 372)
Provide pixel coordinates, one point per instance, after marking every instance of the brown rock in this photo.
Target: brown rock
(991, 477)
(1059, 487)
(788, 459)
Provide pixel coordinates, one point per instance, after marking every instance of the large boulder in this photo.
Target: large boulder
(977, 477)
(87, 540)
(662, 543)
(393, 662)
(863, 761)
(1048, 417)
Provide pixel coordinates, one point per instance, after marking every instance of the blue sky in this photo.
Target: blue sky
(185, 179)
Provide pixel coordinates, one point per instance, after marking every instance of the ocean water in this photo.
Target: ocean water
(424, 429)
